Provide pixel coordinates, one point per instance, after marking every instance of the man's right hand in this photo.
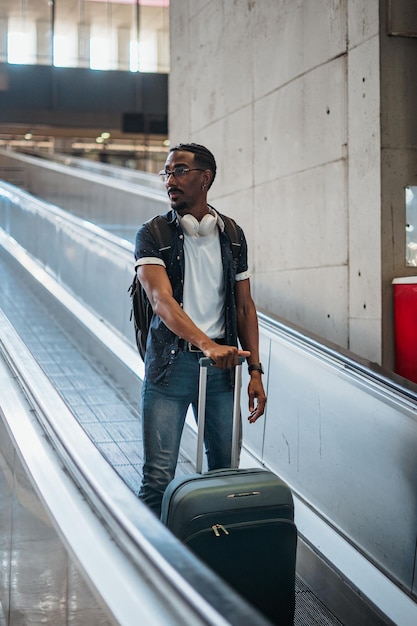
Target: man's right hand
(224, 357)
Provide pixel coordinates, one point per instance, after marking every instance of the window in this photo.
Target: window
(100, 34)
(20, 48)
(411, 226)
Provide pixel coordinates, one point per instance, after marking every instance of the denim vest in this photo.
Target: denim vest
(162, 344)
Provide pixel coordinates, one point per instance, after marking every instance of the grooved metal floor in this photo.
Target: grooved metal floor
(111, 422)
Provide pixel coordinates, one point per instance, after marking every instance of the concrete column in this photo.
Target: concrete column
(123, 48)
(84, 44)
(163, 50)
(44, 42)
(3, 39)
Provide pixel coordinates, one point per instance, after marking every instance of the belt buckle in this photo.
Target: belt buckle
(192, 348)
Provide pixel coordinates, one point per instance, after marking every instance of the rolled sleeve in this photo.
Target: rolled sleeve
(243, 275)
(149, 260)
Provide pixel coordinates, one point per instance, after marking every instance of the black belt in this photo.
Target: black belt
(189, 347)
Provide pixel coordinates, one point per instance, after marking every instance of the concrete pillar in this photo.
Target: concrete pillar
(3, 39)
(84, 44)
(163, 50)
(43, 42)
(123, 48)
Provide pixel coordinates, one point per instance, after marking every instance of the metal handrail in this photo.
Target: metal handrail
(346, 359)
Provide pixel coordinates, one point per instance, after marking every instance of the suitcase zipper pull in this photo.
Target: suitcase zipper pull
(217, 528)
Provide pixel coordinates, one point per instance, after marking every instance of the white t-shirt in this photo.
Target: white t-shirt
(204, 294)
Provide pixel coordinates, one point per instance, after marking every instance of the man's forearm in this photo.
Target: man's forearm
(179, 322)
(248, 333)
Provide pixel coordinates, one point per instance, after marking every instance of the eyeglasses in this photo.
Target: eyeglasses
(178, 172)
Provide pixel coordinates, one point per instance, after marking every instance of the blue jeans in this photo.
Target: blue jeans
(164, 408)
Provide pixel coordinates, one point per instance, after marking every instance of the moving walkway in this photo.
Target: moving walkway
(339, 430)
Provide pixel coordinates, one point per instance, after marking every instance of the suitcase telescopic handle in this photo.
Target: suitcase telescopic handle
(205, 363)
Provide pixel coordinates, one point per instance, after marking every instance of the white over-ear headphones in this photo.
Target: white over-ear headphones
(191, 226)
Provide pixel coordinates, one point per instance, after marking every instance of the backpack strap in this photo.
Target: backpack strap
(162, 232)
(233, 234)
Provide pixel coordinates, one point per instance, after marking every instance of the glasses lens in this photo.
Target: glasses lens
(180, 170)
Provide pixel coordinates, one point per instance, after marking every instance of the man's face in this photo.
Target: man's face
(184, 190)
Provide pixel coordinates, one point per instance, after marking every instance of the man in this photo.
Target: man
(202, 305)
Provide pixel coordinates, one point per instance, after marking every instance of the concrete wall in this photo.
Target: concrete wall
(364, 311)
(287, 96)
(398, 52)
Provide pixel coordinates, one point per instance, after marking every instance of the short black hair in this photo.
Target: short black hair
(202, 156)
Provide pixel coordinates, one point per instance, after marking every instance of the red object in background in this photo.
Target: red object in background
(405, 325)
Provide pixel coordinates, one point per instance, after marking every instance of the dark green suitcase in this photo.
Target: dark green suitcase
(240, 522)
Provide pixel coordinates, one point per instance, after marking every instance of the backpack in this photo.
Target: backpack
(141, 310)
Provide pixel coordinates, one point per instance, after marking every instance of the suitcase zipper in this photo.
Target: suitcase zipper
(197, 523)
(217, 528)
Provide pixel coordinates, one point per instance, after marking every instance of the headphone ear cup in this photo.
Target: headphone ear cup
(207, 224)
(190, 225)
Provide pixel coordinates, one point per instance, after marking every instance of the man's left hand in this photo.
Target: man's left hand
(256, 392)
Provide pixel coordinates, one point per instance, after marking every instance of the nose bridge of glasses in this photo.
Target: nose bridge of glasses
(177, 172)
